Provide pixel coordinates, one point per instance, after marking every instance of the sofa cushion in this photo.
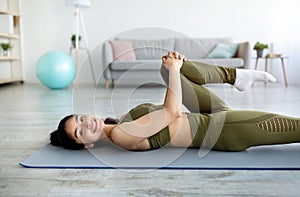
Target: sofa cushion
(151, 49)
(223, 51)
(232, 62)
(136, 65)
(123, 51)
(197, 48)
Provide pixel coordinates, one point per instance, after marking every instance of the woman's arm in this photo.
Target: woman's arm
(173, 98)
(129, 134)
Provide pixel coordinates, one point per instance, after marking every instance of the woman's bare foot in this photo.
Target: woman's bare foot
(173, 60)
(245, 78)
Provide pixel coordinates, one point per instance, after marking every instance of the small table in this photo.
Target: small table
(282, 58)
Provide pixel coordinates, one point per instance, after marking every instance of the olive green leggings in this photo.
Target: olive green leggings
(214, 125)
(196, 97)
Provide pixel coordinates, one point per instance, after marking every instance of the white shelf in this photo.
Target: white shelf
(9, 13)
(9, 36)
(10, 80)
(8, 58)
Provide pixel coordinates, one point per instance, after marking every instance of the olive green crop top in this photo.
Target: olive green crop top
(157, 140)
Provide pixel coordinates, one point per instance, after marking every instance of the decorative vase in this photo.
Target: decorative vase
(5, 53)
(259, 53)
(74, 44)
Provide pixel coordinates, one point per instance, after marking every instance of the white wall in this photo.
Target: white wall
(48, 24)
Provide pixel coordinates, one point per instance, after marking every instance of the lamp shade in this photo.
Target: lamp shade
(78, 3)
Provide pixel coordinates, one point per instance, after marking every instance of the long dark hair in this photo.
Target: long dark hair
(60, 137)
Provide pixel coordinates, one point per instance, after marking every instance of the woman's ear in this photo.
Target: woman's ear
(88, 146)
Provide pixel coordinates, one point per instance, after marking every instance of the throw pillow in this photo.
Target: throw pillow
(223, 51)
(123, 51)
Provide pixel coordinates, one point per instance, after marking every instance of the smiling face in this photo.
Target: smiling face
(85, 129)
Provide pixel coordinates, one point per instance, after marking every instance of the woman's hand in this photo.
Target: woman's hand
(173, 60)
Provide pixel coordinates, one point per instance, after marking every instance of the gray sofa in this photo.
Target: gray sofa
(147, 61)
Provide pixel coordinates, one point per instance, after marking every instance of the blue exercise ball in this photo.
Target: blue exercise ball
(56, 69)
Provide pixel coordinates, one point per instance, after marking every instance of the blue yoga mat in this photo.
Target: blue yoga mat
(277, 157)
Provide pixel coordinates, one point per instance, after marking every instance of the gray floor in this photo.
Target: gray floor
(30, 112)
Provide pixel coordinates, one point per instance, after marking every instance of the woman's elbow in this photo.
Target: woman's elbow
(175, 114)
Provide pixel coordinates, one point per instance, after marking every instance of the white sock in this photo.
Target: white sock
(245, 78)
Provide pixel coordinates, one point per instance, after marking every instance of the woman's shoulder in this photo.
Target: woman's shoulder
(145, 107)
(140, 110)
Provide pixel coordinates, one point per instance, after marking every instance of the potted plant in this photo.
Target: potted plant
(73, 40)
(259, 47)
(5, 47)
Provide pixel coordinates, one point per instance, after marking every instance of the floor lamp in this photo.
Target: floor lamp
(79, 5)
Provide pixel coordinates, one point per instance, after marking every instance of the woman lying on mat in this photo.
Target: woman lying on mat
(210, 124)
